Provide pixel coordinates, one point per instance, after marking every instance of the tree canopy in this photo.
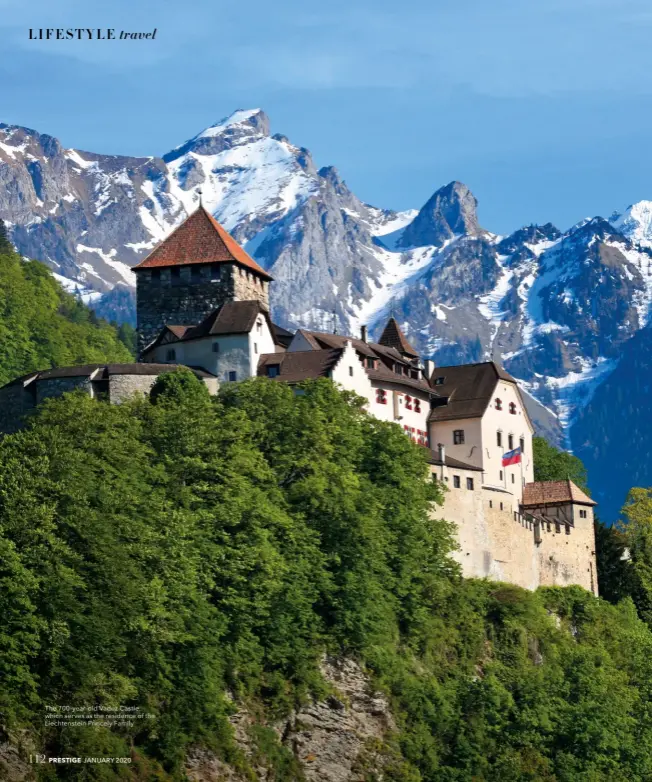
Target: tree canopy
(43, 326)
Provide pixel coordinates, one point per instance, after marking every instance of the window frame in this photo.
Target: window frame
(457, 482)
(458, 437)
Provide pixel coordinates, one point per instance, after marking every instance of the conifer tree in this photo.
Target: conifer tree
(6, 246)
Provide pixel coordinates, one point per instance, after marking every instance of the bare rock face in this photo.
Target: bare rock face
(339, 739)
(450, 212)
(13, 765)
(333, 739)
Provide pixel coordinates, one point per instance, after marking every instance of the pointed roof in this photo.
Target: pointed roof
(393, 337)
(200, 239)
(553, 493)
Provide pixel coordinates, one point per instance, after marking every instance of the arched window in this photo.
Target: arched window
(408, 402)
(512, 408)
(381, 396)
(417, 405)
(498, 404)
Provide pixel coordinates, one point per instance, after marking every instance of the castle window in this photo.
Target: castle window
(350, 371)
(371, 364)
(501, 505)
(498, 404)
(513, 480)
(233, 376)
(215, 271)
(491, 504)
(439, 381)
(512, 408)
(521, 442)
(408, 403)
(417, 405)
(458, 437)
(501, 475)
(398, 369)
(259, 327)
(381, 396)
(456, 481)
(499, 439)
(195, 273)
(510, 442)
(156, 276)
(272, 370)
(469, 484)
(170, 354)
(582, 514)
(175, 275)
(255, 347)
(215, 347)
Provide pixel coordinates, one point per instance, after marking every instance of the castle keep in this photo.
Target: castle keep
(203, 302)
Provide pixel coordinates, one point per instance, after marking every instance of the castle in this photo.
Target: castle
(203, 302)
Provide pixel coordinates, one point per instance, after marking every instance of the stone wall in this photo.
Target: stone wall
(569, 557)
(502, 544)
(15, 402)
(248, 286)
(185, 301)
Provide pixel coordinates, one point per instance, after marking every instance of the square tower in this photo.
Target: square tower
(195, 270)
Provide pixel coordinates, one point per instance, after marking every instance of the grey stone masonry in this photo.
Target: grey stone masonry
(185, 295)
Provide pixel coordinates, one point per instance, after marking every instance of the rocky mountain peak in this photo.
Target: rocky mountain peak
(636, 223)
(241, 127)
(451, 211)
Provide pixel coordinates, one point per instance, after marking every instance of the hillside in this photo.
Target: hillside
(260, 575)
(41, 325)
(558, 306)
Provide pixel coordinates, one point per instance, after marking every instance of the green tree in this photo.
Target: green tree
(553, 464)
(6, 247)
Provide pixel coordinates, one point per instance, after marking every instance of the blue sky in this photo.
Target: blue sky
(543, 108)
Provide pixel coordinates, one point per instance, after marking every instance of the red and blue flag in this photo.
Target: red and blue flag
(512, 457)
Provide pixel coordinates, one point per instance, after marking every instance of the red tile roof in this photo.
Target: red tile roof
(199, 239)
(393, 337)
(553, 492)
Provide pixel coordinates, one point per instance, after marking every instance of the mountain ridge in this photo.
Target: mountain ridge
(460, 292)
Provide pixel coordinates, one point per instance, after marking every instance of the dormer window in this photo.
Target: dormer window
(272, 370)
(381, 396)
(408, 403)
(398, 369)
(498, 403)
(439, 381)
(371, 363)
(512, 408)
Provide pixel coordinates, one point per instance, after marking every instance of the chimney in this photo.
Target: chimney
(363, 333)
(429, 368)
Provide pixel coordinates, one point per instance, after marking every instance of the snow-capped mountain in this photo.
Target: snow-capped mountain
(558, 308)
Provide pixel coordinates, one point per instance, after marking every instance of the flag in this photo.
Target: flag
(512, 457)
